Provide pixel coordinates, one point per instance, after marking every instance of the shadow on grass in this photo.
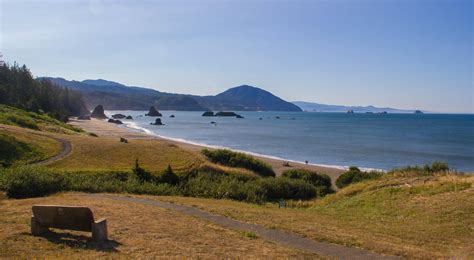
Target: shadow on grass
(80, 241)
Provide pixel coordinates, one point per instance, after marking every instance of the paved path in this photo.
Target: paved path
(277, 236)
(65, 150)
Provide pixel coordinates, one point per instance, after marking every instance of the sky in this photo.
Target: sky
(411, 54)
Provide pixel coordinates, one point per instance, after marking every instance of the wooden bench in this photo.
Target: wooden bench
(67, 217)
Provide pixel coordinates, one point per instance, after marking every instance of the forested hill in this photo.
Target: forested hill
(19, 89)
(116, 96)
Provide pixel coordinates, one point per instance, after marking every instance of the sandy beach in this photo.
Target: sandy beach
(103, 128)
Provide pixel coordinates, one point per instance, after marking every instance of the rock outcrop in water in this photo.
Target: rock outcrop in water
(157, 122)
(153, 112)
(115, 121)
(119, 116)
(208, 113)
(129, 118)
(98, 112)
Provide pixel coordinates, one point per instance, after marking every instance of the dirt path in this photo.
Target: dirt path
(281, 237)
(65, 150)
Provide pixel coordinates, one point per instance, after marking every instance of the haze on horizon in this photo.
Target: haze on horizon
(404, 54)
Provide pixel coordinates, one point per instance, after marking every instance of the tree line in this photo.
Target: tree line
(18, 88)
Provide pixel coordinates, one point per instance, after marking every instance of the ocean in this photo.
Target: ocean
(375, 141)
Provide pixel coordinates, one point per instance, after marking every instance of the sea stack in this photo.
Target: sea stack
(115, 121)
(119, 116)
(157, 122)
(153, 112)
(223, 113)
(98, 112)
(208, 113)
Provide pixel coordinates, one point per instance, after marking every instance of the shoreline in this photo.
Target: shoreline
(105, 129)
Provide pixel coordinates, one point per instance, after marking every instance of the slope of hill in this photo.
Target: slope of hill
(252, 98)
(316, 107)
(116, 96)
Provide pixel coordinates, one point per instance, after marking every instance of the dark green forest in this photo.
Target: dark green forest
(18, 88)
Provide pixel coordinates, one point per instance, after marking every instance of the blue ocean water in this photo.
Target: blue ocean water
(380, 141)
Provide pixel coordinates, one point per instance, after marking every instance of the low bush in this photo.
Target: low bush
(168, 176)
(286, 188)
(207, 182)
(30, 182)
(141, 174)
(234, 159)
(321, 181)
(354, 175)
(22, 121)
(435, 167)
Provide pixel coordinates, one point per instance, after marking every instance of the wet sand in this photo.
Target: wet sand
(103, 128)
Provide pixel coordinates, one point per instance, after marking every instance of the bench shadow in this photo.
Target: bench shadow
(80, 241)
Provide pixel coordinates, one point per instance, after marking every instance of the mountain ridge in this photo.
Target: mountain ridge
(318, 107)
(116, 96)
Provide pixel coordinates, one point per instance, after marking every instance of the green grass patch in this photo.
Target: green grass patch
(354, 175)
(249, 235)
(18, 117)
(234, 159)
(14, 151)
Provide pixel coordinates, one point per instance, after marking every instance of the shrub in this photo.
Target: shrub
(354, 175)
(235, 159)
(140, 173)
(438, 166)
(321, 181)
(427, 169)
(285, 188)
(168, 176)
(23, 121)
(28, 182)
(209, 183)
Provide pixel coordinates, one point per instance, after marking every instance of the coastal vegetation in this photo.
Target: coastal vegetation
(316, 179)
(236, 159)
(36, 121)
(416, 211)
(206, 181)
(19, 89)
(354, 175)
(407, 213)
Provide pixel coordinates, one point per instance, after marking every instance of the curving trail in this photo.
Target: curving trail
(278, 236)
(65, 151)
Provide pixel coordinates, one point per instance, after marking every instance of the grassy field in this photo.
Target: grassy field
(17, 117)
(108, 153)
(134, 231)
(412, 216)
(21, 146)
(409, 214)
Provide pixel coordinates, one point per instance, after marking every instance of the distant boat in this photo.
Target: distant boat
(350, 111)
(418, 112)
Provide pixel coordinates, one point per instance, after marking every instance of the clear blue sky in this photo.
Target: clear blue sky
(398, 53)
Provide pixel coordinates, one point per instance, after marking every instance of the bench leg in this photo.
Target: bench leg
(99, 230)
(36, 229)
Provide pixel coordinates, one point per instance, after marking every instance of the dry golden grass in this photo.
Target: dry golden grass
(135, 230)
(108, 153)
(422, 217)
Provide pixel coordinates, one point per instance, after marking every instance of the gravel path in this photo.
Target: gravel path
(277, 236)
